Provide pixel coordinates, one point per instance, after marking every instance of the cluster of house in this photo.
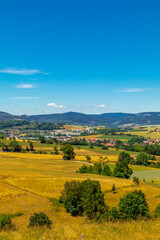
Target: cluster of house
(150, 142)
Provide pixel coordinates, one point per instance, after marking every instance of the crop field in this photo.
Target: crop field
(116, 137)
(147, 131)
(27, 181)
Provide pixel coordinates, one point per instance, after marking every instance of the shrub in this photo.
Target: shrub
(6, 222)
(114, 188)
(113, 214)
(133, 206)
(136, 180)
(88, 158)
(23, 150)
(157, 211)
(104, 147)
(98, 168)
(40, 219)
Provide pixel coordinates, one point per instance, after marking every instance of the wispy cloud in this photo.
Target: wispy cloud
(54, 105)
(23, 71)
(101, 106)
(24, 98)
(132, 90)
(25, 86)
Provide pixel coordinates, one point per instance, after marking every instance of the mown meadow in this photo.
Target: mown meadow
(32, 182)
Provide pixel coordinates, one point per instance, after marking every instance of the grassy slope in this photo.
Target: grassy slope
(26, 182)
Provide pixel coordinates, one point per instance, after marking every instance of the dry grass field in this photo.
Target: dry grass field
(27, 181)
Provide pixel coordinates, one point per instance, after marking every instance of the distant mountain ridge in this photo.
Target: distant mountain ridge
(106, 119)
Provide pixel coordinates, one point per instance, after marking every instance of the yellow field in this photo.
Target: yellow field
(91, 137)
(28, 180)
(70, 127)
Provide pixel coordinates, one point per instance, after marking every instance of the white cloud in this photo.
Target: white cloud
(25, 86)
(54, 105)
(132, 90)
(24, 98)
(101, 106)
(23, 71)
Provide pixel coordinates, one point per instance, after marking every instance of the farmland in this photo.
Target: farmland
(28, 181)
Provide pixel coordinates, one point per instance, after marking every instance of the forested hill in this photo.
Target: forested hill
(107, 119)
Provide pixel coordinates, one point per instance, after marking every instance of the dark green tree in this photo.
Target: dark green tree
(42, 139)
(92, 199)
(56, 150)
(31, 146)
(133, 206)
(14, 146)
(68, 152)
(71, 197)
(122, 169)
(142, 159)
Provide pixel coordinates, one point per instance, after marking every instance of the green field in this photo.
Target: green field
(116, 137)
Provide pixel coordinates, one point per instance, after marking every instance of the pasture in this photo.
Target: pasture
(28, 181)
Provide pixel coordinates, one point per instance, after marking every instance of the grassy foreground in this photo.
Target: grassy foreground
(141, 230)
(27, 181)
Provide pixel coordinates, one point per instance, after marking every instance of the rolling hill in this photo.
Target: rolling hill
(106, 119)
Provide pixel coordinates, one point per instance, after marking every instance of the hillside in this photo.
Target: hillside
(106, 119)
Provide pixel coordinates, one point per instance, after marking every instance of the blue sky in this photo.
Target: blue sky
(85, 56)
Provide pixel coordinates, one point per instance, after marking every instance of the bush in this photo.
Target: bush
(105, 147)
(133, 206)
(113, 214)
(88, 158)
(114, 188)
(6, 222)
(40, 219)
(98, 168)
(136, 180)
(23, 150)
(157, 211)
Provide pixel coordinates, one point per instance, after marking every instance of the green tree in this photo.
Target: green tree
(142, 159)
(71, 197)
(133, 206)
(92, 199)
(31, 146)
(88, 158)
(84, 198)
(136, 180)
(68, 152)
(122, 169)
(42, 139)
(14, 146)
(56, 150)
